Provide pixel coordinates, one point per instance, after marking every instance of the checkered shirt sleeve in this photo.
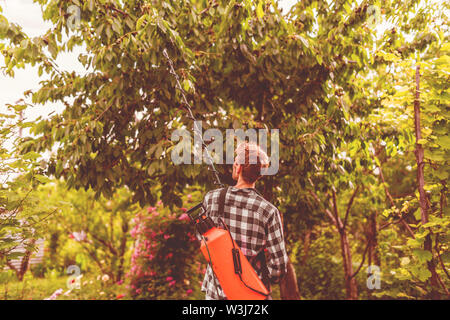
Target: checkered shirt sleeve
(254, 224)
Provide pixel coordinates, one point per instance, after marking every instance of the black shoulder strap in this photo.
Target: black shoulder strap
(261, 259)
(222, 195)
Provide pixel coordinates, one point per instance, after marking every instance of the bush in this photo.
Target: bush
(321, 277)
(166, 259)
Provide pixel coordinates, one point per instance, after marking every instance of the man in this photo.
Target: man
(254, 222)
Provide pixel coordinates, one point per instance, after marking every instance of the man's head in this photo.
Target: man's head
(249, 161)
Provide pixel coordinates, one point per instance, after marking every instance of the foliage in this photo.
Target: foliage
(22, 215)
(166, 262)
(414, 261)
(319, 274)
(341, 89)
(93, 234)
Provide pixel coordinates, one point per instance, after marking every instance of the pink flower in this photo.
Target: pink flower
(189, 291)
(119, 282)
(55, 294)
(166, 236)
(169, 279)
(184, 216)
(159, 203)
(151, 209)
(189, 196)
(79, 236)
(171, 283)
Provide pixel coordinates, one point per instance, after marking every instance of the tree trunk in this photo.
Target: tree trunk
(374, 255)
(307, 244)
(372, 242)
(288, 284)
(350, 281)
(24, 264)
(123, 246)
(423, 202)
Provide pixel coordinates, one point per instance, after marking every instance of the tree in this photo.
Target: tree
(318, 72)
(101, 227)
(22, 216)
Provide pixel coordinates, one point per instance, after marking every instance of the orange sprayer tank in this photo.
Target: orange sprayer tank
(219, 244)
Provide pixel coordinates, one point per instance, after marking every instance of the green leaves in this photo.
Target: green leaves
(260, 9)
(42, 179)
(423, 255)
(421, 272)
(4, 26)
(444, 142)
(341, 97)
(116, 26)
(141, 21)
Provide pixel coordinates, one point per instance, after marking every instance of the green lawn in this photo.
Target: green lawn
(38, 289)
(91, 289)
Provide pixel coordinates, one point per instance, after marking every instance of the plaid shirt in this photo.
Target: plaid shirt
(254, 224)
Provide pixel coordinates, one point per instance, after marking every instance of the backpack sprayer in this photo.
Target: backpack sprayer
(236, 275)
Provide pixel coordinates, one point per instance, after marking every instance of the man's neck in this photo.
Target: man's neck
(241, 184)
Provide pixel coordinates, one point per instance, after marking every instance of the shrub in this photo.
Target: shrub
(166, 262)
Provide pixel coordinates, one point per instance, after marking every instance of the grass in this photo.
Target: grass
(91, 288)
(41, 288)
(35, 289)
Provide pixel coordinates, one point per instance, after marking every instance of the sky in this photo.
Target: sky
(28, 15)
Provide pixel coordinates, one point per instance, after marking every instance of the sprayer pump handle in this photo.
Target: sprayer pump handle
(193, 209)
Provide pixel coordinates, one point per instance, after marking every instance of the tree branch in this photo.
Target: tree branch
(328, 212)
(336, 212)
(349, 206)
(436, 246)
(106, 244)
(391, 200)
(363, 258)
